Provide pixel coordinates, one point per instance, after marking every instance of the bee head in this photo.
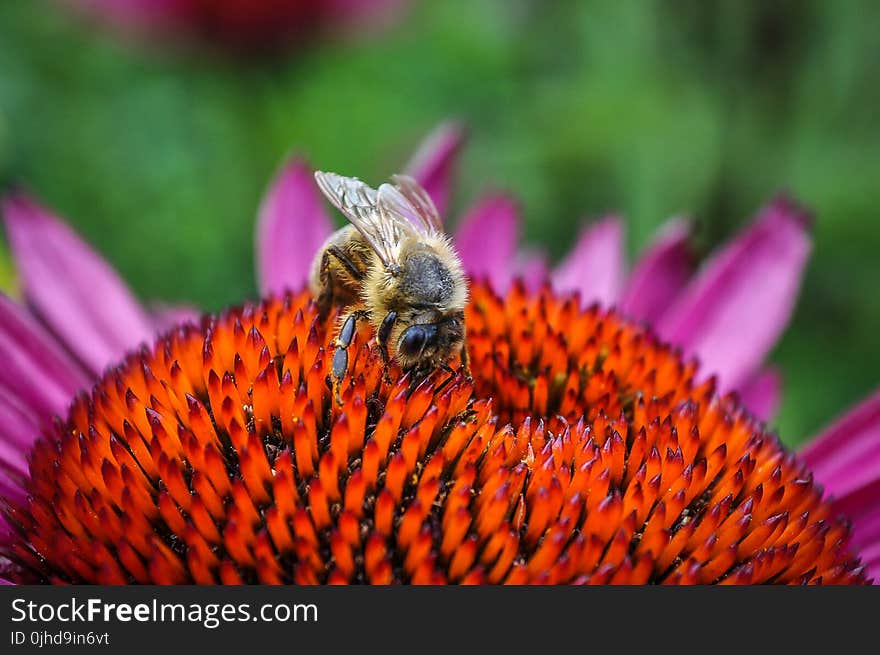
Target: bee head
(427, 344)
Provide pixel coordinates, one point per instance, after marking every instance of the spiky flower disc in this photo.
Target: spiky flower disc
(582, 451)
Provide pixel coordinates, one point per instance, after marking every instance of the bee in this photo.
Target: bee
(395, 267)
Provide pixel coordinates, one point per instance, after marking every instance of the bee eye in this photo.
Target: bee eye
(413, 340)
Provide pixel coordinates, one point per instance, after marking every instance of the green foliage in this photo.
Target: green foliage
(646, 108)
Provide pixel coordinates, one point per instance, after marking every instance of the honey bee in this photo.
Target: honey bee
(395, 267)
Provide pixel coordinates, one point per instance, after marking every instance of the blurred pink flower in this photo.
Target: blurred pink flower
(79, 317)
(240, 25)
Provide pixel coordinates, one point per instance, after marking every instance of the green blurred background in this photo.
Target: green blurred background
(647, 108)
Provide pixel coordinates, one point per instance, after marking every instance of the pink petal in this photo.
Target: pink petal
(736, 308)
(73, 289)
(846, 456)
(486, 240)
(845, 460)
(18, 431)
(660, 274)
(871, 561)
(868, 524)
(12, 458)
(862, 508)
(433, 163)
(533, 269)
(166, 317)
(761, 393)
(12, 491)
(20, 424)
(292, 226)
(35, 369)
(594, 267)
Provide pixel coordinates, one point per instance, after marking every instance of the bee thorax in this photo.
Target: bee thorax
(425, 279)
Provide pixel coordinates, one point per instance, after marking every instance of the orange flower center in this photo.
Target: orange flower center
(583, 450)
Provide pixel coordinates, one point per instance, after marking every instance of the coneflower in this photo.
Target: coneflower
(584, 449)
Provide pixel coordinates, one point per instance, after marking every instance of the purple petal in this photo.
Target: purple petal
(20, 424)
(35, 369)
(18, 432)
(660, 274)
(862, 508)
(433, 163)
(845, 460)
(533, 269)
(736, 308)
(74, 290)
(486, 241)
(46, 370)
(761, 393)
(12, 458)
(594, 267)
(868, 527)
(292, 226)
(17, 435)
(846, 456)
(12, 491)
(871, 561)
(166, 317)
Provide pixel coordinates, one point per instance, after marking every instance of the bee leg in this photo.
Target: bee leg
(342, 342)
(452, 375)
(325, 297)
(382, 336)
(329, 288)
(352, 268)
(417, 374)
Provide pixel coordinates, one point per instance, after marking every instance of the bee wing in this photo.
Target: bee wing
(407, 201)
(361, 206)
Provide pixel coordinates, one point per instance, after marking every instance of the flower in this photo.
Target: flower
(220, 455)
(69, 334)
(241, 26)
